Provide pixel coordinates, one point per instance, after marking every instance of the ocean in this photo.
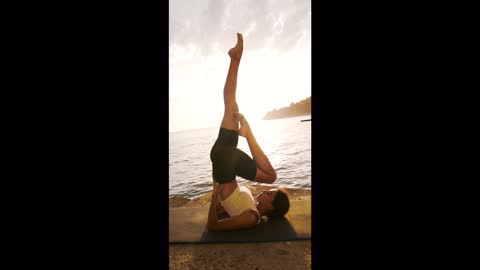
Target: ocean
(286, 142)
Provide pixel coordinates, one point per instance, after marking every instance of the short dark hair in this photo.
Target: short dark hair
(281, 204)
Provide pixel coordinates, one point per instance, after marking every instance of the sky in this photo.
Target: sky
(275, 69)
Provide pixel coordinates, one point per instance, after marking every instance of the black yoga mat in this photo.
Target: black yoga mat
(189, 225)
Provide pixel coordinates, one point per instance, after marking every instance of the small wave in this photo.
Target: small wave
(190, 166)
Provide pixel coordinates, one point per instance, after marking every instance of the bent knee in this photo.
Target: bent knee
(272, 177)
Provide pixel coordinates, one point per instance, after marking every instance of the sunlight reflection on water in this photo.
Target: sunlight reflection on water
(287, 143)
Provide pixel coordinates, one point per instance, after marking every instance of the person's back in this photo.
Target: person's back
(239, 200)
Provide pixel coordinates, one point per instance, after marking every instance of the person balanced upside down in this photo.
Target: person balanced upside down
(244, 211)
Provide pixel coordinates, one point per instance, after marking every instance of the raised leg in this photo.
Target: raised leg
(229, 120)
(265, 172)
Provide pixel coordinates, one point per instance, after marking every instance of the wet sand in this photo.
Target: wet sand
(268, 255)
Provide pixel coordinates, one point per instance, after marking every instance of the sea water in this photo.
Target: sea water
(286, 142)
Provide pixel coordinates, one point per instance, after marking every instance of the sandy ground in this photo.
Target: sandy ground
(268, 255)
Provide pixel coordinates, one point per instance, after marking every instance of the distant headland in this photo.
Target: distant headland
(303, 107)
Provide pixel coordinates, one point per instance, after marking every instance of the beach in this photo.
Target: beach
(264, 255)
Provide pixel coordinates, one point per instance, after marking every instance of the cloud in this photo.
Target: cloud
(209, 23)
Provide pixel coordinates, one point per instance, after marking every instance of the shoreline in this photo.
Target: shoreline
(263, 255)
(288, 116)
(204, 199)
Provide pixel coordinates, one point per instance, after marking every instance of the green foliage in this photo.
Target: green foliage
(303, 107)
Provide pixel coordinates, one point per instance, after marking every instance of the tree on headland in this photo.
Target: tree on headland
(303, 107)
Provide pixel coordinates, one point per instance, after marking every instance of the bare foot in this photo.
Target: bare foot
(244, 130)
(236, 52)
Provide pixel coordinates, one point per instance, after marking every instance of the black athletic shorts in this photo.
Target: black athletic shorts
(228, 161)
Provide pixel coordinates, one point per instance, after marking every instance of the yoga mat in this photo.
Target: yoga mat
(189, 225)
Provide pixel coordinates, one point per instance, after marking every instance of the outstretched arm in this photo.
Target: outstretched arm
(265, 171)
